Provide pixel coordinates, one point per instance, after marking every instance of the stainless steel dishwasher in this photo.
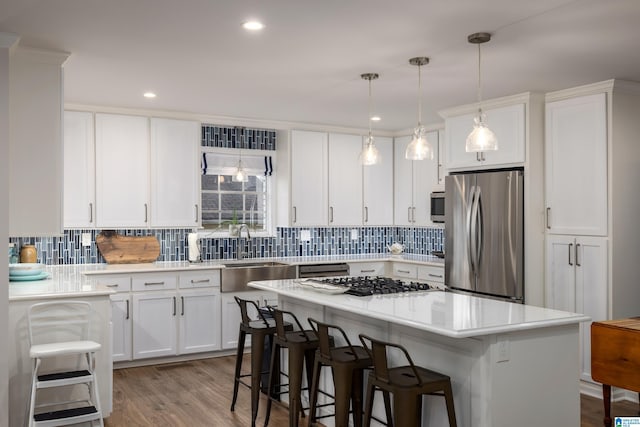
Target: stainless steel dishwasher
(323, 270)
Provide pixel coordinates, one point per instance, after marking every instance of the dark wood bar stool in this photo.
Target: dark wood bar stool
(347, 366)
(301, 345)
(407, 383)
(259, 329)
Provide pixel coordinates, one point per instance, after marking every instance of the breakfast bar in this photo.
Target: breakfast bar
(510, 364)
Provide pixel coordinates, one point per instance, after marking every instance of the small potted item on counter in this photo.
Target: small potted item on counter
(28, 254)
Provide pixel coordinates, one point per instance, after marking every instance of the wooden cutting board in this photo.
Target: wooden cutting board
(119, 249)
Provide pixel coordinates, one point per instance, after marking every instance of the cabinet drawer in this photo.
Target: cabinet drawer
(116, 282)
(153, 282)
(366, 269)
(199, 279)
(410, 271)
(431, 273)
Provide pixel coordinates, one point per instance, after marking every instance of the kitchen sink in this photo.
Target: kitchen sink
(237, 274)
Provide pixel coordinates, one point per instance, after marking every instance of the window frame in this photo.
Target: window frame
(270, 188)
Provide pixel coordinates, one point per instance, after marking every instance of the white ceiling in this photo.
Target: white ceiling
(305, 65)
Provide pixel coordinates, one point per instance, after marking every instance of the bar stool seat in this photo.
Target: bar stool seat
(407, 383)
(260, 329)
(347, 366)
(301, 345)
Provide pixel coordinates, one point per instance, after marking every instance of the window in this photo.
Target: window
(225, 201)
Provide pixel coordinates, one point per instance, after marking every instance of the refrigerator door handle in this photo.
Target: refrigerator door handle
(479, 231)
(471, 230)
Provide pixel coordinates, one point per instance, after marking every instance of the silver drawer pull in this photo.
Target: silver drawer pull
(435, 275)
(404, 271)
(200, 281)
(153, 283)
(112, 285)
(367, 271)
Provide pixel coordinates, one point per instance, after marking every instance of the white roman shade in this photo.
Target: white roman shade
(227, 164)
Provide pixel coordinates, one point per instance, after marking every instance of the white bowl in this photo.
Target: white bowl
(25, 269)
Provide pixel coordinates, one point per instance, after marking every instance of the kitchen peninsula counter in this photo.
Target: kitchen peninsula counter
(510, 364)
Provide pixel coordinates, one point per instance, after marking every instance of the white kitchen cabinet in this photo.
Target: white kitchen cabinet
(414, 180)
(35, 142)
(367, 268)
(405, 270)
(377, 186)
(309, 184)
(508, 124)
(121, 324)
(154, 324)
(199, 320)
(345, 180)
(79, 170)
(577, 281)
(175, 183)
(122, 171)
(231, 314)
(432, 274)
(442, 159)
(576, 165)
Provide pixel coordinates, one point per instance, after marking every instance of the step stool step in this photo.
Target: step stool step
(63, 375)
(68, 414)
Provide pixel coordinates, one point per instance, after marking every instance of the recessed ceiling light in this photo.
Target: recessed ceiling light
(253, 25)
(375, 118)
(149, 95)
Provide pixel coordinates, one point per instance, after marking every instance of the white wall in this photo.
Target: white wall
(7, 41)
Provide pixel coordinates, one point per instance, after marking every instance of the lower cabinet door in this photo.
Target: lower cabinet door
(199, 321)
(121, 327)
(154, 324)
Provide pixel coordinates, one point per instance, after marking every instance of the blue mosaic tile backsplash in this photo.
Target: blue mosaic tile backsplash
(237, 137)
(173, 243)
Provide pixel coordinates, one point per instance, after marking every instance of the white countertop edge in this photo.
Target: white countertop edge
(318, 298)
(99, 290)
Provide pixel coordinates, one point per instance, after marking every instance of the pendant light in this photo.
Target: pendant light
(240, 175)
(370, 154)
(419, 148)
(481, 137)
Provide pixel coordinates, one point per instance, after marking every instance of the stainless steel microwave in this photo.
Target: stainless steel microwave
(437, 206)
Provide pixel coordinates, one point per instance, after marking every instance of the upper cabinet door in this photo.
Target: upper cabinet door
(425, 180)
(309, 178)
(35, 143)
(402, 183)
(378, 186)
(508, 124)
(576, 165)
(79, 170)
(175, 189)
(345, 180)
(122, 167)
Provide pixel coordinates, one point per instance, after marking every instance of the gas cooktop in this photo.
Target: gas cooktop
(372, 285)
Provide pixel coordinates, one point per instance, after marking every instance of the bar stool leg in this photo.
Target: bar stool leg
(274, 378)
(356, 397)
(239, 354)
(387, 407)
(448, 396)
(296, 362)
(368, 406)
(407, 408)
(313, 395)
(257, 350)
(343, 379)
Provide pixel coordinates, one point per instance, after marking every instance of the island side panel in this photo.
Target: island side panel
(20, 363)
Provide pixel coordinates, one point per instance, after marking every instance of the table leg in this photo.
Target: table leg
(606, 398)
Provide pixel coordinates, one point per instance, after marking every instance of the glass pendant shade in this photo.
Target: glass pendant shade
(240, 175)
(370, 154)
(481, 137)
(419, 148)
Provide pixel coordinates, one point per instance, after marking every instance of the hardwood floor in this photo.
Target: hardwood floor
(199, 393)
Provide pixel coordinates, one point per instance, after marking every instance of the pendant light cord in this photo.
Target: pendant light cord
(370, 109)
(419, 96)
(479, 80)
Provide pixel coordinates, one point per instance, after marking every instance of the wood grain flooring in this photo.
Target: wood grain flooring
(198, 393)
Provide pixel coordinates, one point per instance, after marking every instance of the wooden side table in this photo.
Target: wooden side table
(615, 357)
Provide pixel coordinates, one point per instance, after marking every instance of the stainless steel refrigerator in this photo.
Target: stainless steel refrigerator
(484, 247)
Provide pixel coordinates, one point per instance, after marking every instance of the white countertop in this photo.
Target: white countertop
(66, 281)
(444, 313)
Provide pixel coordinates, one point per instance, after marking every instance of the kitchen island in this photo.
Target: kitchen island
(510, 364)
(64, 283)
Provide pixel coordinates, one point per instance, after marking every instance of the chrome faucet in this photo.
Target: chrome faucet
(241, 253)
